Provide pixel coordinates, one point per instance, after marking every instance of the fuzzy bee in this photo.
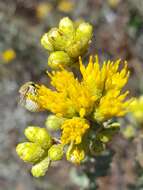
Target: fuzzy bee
(29, 88)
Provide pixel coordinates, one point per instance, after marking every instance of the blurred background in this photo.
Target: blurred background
(118, 33)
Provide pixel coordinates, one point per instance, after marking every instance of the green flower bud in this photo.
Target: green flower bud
(53, 122)
(75, 50)
(56, 152)
(46, 43)
(105, 137)
(57, 38)
(30, 152)
(82, 39)
(67, 27)
(58, 58)
(41, 168)
(39, 136)
(84, 32)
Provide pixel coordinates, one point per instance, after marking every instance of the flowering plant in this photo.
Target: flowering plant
(82, 108)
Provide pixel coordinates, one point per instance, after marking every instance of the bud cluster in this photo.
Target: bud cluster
(41, 150)
(66, 43)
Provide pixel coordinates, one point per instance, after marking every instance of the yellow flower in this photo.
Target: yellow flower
(43, 9)
(71, 97)
(77, 92)
(99, 91)
(40, 168)
(112, 105)
(8, 55)
(30, 152)
(56, 102)
(77, 107)
(65, 6)
(106, 83)
(75, 154)
(73, 130)
(101, 80)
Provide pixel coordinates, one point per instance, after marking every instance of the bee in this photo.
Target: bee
(31, 105)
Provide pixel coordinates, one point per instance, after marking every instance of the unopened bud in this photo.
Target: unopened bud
(46, 43)
(82, 39)
(67, 27)
(56, 152)
(53, 122)
(84, 31)
(39, 136)
(41, 168)
(75, 49)
(59, 58)
(57, 38)
(105, 137)
(30, 152)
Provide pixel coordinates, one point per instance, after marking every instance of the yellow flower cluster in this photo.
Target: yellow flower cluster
(73, 130)
(97, 96)
(82, 109)
(98, 93)
(111, 105)
(106, 84)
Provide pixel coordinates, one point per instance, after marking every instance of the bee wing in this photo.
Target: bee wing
(22, 99)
